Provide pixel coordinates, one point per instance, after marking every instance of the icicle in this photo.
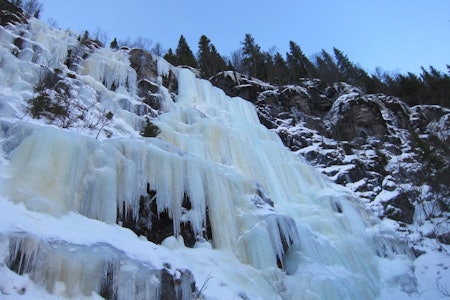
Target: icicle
(112, 68)
(24, 254)
(162, 66)
(77, 270)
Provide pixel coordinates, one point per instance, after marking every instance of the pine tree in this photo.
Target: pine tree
(268, 65)
(299, 65)
(327, 69)
(170, 57)
(184, 54)
(114, 45)
(209, 60)
(252, 57)
(280, 69)
(351, 73)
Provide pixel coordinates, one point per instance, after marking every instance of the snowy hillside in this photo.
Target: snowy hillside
(213, 207)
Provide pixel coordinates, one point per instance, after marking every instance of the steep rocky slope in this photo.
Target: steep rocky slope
(393, 156)
(93, 206)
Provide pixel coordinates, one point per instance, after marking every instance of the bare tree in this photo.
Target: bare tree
(31, 8)
(142, 43)
(100, 35)
(236, 60)
(158, 49)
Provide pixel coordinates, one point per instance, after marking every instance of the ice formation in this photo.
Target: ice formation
(279, 229)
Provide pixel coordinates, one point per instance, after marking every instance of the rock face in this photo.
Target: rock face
(390, 154)
(158, 226)
(10, 14)
(356, 116)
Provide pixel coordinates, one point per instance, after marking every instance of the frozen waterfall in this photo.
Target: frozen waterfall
(279, 229)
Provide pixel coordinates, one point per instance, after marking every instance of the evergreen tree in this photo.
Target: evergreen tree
(184, 55)
(299, 65)
(252, 57)
(267, 67)
(230, 66)
(280, 69)
(114, 45)
(170, 57)
(410, 89)
(327, 69)
(150, 129)
(350, 73)
(436, 86)
(209, 60)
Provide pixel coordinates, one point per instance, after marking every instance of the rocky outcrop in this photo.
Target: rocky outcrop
(355, 116)
(157, 226)
(394, 156)
(10, 14)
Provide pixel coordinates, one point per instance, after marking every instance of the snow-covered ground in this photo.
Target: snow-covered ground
(65, 180)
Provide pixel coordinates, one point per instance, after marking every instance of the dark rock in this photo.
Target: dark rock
(178, 285)
(225, 82)
(246, 91)
(158, 226)
(146, 68)
(444, 238)
(11, 14)
(422, 115)
(400, 209)
(149, 92)
(399, 110)
(357, 117)
(239, 85)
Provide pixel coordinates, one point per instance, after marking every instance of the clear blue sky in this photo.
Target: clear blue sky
(396, 35)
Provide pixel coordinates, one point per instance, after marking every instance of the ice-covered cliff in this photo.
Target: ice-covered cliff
(213, 207)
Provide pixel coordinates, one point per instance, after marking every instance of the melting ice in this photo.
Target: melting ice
(279, 230)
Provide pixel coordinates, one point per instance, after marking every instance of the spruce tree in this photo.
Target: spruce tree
(114, 45)
(209, 60)
(170, 57)
(252, 57)
(297, 68)
(299, 65)
(184, 54)
(351, 73)
(280, 69)
(327, 69)
(267, 68)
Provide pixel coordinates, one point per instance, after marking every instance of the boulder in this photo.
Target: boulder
(400, 209)
(355, 116)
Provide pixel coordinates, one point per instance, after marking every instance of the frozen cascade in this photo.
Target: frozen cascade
(314, 242)
(112, 68)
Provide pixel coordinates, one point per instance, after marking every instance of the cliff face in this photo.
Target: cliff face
(125, 177)
(393, 156)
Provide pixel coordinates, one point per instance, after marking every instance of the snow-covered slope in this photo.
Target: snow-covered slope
(90, 208)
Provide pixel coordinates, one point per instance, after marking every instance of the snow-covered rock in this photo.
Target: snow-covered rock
(215, 207)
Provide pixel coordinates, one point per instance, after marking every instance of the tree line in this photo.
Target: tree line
(431, 86)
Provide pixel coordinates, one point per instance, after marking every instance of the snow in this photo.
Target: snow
(62, 189)
(112, 69)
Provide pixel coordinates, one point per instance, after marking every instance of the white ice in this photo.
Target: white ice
(66, 186)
